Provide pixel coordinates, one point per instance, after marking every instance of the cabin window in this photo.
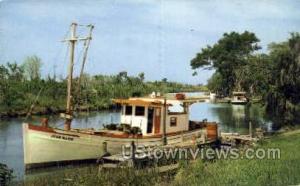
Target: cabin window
(173, 121)
(128, 110)
(177, 109)
(139, 111)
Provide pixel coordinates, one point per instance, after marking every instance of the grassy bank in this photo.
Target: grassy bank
(90, 176)
(284, 171)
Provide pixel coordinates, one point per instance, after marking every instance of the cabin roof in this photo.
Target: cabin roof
(241, 92)
(140, 102)
(147, 101)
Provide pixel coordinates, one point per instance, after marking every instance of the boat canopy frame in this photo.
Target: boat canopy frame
(139, 102)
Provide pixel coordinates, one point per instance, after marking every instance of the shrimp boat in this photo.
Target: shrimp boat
(147, 121)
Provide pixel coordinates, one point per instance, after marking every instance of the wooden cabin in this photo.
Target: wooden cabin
(148, 114)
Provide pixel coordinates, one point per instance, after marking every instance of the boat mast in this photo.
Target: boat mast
(86, 45)
(72, 42)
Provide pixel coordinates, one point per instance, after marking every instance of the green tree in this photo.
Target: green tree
(255, 75)
(11, 89)
(228, 56)
(164, 80)
(283, 96)
(141, 76)
(214, 83)
(32, 67)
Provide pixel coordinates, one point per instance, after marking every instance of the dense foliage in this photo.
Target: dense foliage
(20, 86)
(273, 76)
(6, 175)
(284, 89)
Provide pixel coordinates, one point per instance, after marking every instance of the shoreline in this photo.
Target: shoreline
(49, 112)
(56, 110)
(52, 111)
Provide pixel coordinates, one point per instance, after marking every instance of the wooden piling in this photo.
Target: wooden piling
(132, 161)
(250, 129)
(104, 146)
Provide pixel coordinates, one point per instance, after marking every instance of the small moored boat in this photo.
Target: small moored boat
(239, 98)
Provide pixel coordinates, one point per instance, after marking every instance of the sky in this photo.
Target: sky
(157, 37)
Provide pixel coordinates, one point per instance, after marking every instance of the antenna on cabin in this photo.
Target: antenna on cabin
(164, 136)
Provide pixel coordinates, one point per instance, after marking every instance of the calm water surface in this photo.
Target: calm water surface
(231, 118)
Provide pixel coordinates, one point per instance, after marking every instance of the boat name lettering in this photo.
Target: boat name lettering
(62, 137)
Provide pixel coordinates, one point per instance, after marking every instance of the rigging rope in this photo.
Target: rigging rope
(55, 59)
(78, 97)
(40, 91)
(33, 104)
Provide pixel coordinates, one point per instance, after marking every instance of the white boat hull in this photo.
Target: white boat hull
(239, 102)
(46, 146)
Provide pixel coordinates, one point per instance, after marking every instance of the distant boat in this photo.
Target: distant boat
(239, 98)
(147, 121)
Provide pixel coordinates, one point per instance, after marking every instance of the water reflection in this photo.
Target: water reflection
(11, 145)
(231, 118)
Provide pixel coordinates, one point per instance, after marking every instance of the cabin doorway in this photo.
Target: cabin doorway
(150, 120)
(157, 120)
